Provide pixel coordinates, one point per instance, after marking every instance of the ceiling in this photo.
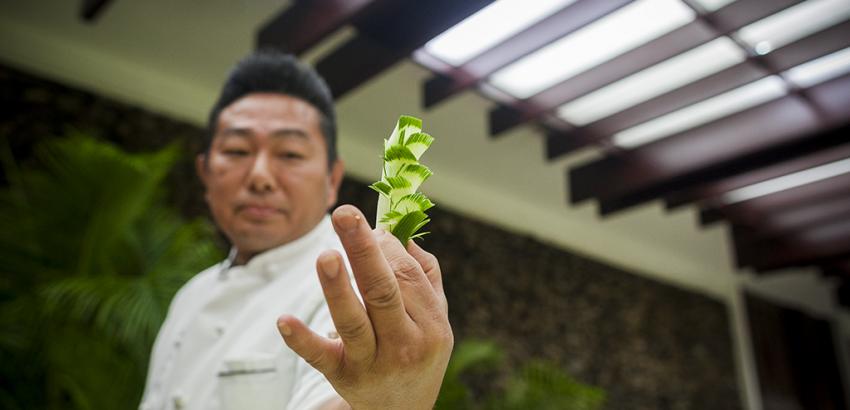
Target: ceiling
(740, 107)
(576, 154)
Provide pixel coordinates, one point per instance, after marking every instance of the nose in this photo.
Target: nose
(261, 178)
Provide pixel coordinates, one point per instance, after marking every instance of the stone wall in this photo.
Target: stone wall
(649, 345)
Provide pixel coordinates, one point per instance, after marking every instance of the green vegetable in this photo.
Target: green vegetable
(401, 210)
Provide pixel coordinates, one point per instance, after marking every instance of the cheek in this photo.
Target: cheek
(311, 186)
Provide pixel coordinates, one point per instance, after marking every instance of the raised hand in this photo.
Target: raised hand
(393, 353)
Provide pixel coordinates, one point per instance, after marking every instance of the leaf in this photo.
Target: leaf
(408, 225)
(418, 143)
(400, 208)
(382, 188)
(413, 202)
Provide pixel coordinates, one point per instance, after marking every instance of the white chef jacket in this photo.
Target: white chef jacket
(219, 347)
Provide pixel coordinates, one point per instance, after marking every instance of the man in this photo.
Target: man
(271, 174)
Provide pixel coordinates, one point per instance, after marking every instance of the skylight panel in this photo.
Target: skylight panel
(668, 75)
(820, 69)
(786, 182)
(739, 99)
(491, 25)
(629, 27)
(793, 23)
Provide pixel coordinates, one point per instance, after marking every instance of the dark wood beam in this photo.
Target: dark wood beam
(669, 45)
(362, 58)
(708, 191)
(759, 211)
(825, 42)
(387, 35)
(676, 42)
(763, 135)
(304, 24)
(740, 13)
(817, 45)
(840, 269)
(783, 222)
(642, 168)
(568, 20)
(702, 89)
(90, 10)
(742, 241)
(843, 292)
(823, 244)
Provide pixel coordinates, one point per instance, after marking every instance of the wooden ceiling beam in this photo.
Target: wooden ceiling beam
(90, 10)
(843, 292)
(774, 131)
(840, 268)
(669, 45)
(815, 212)
(571, 18)
(386, 36)
(304, 24)
(761, 210)
(694, 34)
(820, 245)
(707, 192)
(820, 44)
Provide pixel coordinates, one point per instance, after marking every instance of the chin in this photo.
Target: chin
(258, 240)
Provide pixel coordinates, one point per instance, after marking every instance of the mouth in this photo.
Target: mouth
(258, 211)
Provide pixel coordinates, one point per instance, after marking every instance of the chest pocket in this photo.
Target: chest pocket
(252, 382)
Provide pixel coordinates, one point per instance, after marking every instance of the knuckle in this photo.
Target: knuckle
(352, 329)
(430, 260)
(448, 338)
(359, 248)
(381, 293)
(405, 268)
(410, 355)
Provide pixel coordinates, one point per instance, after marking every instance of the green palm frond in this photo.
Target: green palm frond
(537, 385)
(92, 259)
(542, 385)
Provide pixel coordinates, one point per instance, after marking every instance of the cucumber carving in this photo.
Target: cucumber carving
(401, 210)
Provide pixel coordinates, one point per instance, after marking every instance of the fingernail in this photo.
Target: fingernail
(330, 266)
(284, 328)
(348, 221)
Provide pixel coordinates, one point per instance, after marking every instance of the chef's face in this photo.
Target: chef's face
(266, 173)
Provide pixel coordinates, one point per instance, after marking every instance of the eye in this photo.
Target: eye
(236, 152)
(291, 155)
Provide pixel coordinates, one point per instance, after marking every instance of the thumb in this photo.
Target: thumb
(321, 353)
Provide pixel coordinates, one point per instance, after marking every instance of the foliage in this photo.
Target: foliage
(91, 259)
(537, 385)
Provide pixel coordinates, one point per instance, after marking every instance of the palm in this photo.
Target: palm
(91, 260)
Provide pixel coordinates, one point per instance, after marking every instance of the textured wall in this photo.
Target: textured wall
(650, 345)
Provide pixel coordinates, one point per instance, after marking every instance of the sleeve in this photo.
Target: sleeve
(311, 389)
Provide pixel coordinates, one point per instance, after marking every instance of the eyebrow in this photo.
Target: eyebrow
(279, 133)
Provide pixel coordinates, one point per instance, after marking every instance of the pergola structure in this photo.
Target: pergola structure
(740, 108)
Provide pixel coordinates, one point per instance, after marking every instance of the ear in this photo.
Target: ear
(334, 180)
(202, 169)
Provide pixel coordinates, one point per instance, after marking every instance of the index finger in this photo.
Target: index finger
(375, 278)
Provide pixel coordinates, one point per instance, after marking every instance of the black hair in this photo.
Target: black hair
(269, 71)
